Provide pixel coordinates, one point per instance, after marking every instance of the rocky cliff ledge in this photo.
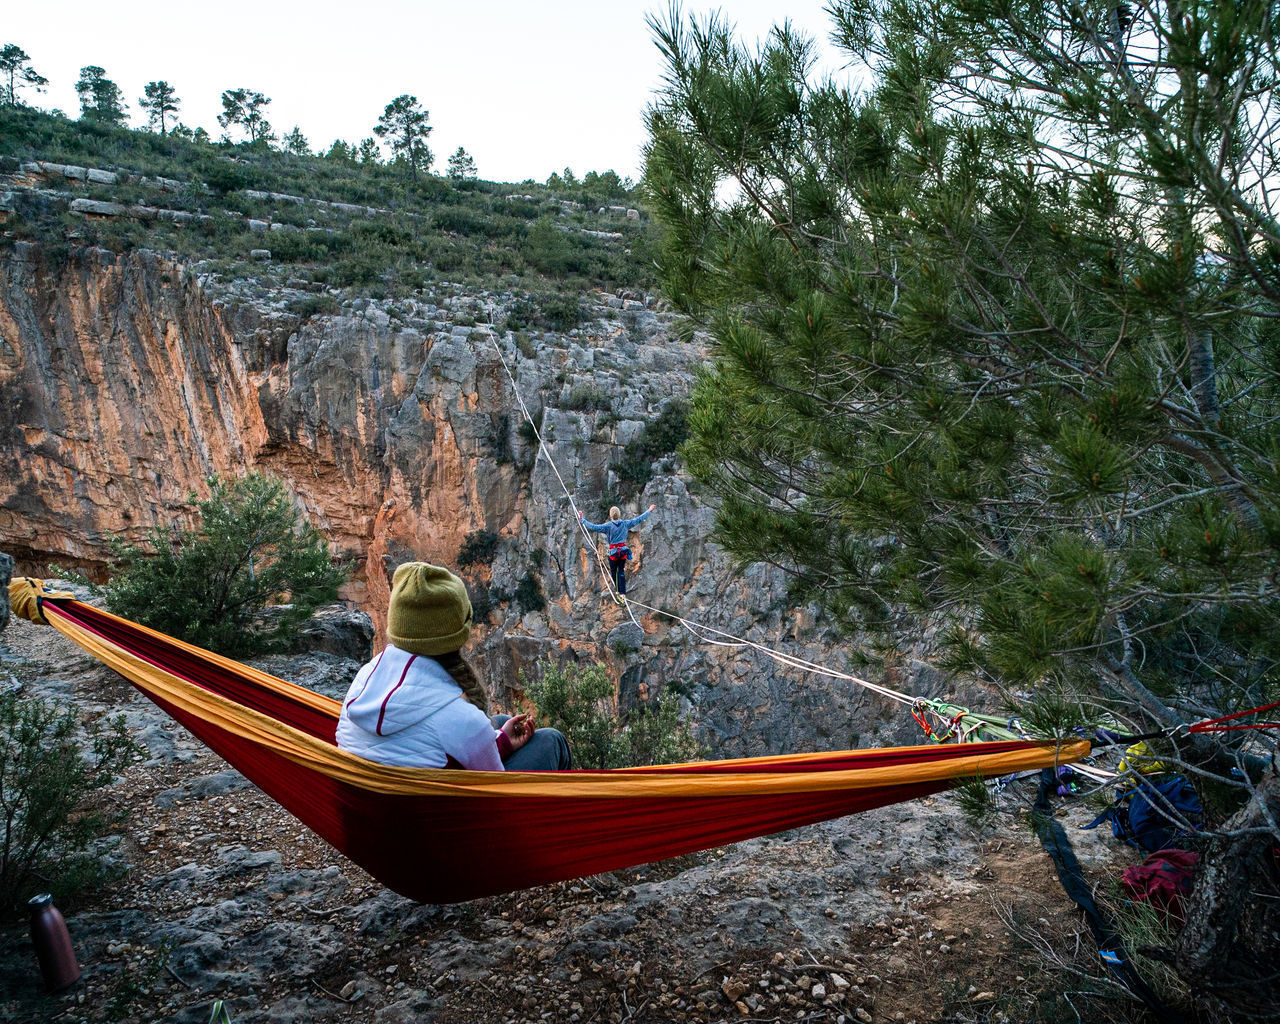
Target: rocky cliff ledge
(130, 378)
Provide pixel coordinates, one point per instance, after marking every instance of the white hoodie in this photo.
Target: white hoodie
(405, 709)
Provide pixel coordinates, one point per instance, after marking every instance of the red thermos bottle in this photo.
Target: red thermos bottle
(53, 944)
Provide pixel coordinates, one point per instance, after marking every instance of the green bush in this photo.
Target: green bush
(528, 596)
(661, 436)
(211, 586)
(588, 397)
(479, 546)
(528, 432)
(525, 345)
(314, 305)
(46, 796)
(579, 700)
(561, 311)
(555, 311)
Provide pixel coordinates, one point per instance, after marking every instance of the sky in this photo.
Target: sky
(527, 88)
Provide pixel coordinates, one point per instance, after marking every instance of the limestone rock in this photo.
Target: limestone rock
(626, 638)
(97, 208)
(336, 629)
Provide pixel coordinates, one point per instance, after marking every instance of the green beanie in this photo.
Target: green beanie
(430, 612)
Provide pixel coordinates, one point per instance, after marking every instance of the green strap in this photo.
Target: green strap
(221, 1015)
(988, 726)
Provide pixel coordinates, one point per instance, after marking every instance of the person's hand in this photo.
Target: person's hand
(518, 730)
(653, 508)
(581, 516)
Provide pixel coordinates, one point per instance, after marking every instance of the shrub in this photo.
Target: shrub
(525, 345)
(528, 432)
(579, 700)
(479, 546)
(557, 311)
(46, 787)
(587, 397)
(562, 311)
(548, 248)
(314, 305)
(528, 596)
(211, 586)
(661, 436)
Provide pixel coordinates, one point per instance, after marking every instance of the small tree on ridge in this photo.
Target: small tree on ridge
(101, 99)
(462, 167)
(403, 125)
(17, 73)
(246, 108)
(158, 99)
(296, 143)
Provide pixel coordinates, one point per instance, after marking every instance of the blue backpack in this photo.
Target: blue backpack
(1138, 816)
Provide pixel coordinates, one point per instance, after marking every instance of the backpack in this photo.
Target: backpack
(1162, 881)
(1138, 815)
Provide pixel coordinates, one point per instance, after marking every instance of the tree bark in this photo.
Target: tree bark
(1204, 386)
(1229, 950)
(6, 573)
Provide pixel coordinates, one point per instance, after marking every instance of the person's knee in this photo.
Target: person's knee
(564, 755)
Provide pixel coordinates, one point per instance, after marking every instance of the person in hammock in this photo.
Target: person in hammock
(419, 704)
(615, 532)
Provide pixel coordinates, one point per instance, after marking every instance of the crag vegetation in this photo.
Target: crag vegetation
(49, 821)
(341, 220)
(996, 353)
(241, 582)
(580, 701)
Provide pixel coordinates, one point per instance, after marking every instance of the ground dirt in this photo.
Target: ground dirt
(902, 914)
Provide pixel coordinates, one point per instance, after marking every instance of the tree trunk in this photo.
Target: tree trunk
(1204, 386)
(1229, 950)
(6, 573)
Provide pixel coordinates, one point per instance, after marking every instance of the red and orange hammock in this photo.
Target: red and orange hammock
(443, 836)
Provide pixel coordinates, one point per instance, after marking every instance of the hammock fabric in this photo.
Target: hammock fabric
(444, 836)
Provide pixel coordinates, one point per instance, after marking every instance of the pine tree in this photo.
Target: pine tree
(403, 125)
(247, 108)
(369, 152)
(462, 167)
(100, 98)
(17, 73)
(342, 152)
(997, 357)
(159, 99)
(296, 143)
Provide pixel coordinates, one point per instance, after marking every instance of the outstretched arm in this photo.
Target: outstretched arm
(598, 527)
(640, 518)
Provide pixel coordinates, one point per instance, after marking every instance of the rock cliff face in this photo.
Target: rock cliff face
(130, 379)
(121, 394)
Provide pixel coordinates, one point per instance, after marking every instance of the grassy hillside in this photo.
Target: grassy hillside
(364, 229)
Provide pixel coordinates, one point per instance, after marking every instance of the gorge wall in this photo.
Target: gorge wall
(129, 379)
